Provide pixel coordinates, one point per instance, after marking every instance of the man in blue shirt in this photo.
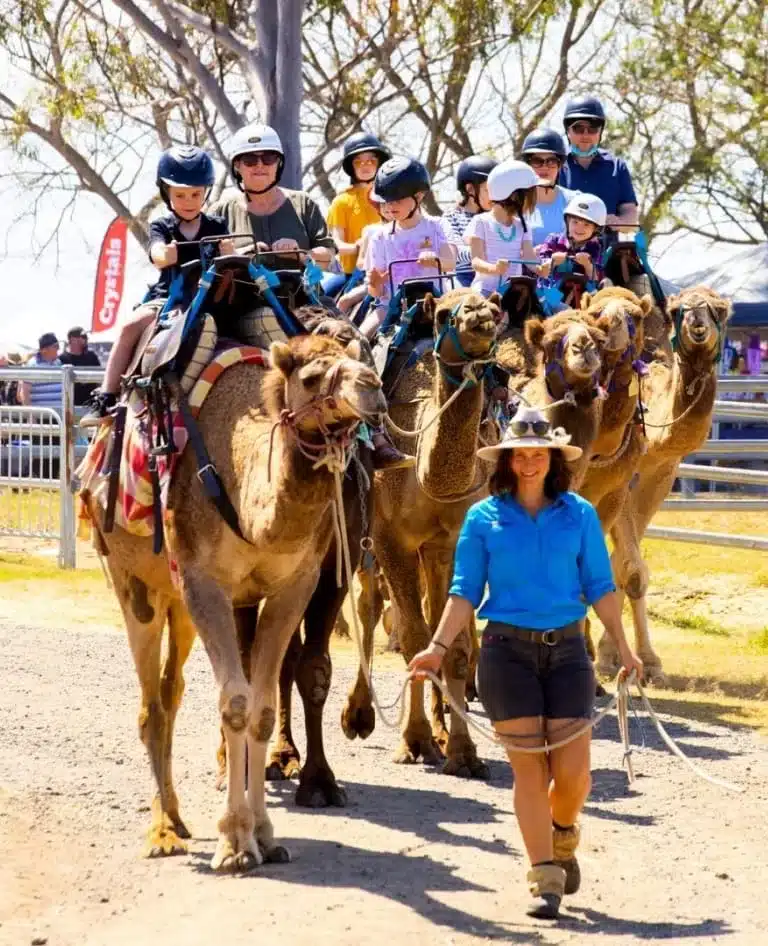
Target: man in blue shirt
(594, 170)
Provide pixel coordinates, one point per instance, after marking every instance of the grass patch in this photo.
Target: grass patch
(760, 578)
(758, 642)
(689, 622)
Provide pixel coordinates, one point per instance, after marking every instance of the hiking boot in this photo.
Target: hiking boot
(546, 883)
(386, 456)
(101, 404)
(564, 844)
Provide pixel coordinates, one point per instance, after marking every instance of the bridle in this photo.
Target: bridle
(466, 361)
(555, 367)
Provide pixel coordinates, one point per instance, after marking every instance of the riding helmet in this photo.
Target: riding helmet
(587, 106)
(544, 141)
(252, 139)
(474, 170)
(185, 166)
(588, 207)
(357, 144)
(400, 177)
(511, 176)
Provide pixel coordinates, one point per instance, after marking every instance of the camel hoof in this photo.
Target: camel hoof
(360, 721)
(221, 782)
(227, 860)
(408, 752)
(441, 737)
(607, 669)
(467, 768)
(164, 842)
(282, 768)
(321, 792)
(654, 676)
(277, 855)
(181, 829)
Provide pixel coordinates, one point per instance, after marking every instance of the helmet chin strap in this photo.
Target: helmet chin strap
(250, 190)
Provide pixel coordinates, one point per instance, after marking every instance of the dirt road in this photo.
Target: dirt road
(416, 858)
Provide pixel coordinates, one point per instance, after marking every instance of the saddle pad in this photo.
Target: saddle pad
(202, 356)
(260, 328)
(133, 511)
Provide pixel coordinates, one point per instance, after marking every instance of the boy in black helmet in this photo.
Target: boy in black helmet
(185, 176)
(472, 185)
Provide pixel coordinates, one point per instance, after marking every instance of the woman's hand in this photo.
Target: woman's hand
(629, 662)
(285, 245)
(227, 247)
(322, 256)
(426, 660)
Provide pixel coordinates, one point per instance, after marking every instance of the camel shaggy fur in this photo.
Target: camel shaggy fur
(418, 514)
(258, 426)
(679, 392)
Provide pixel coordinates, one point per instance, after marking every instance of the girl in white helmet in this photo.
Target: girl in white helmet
(500, 235)
(278, 218)
(584, 218)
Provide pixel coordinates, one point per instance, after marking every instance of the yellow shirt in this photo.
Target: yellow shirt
(351, 211)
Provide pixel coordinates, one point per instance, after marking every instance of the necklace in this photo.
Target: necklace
(500, 232)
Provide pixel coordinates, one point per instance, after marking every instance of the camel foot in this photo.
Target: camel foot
(358, 721)
(284, 764)
(608, 666)
(410, 750)
(654, 675)
(320, 790)
(164, 841)
(221, 781)
(462, 760)
(277, 854)
(232, 857)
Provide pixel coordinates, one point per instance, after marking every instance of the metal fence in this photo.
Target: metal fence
(40, 448)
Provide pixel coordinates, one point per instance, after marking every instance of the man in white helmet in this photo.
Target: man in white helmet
(585, 217)
(278, 218)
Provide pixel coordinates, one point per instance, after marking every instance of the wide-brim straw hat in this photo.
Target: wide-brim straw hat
(531, 428)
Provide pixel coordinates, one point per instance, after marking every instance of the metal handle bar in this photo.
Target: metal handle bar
(402, 262)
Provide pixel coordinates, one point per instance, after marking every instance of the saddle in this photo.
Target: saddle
(519, 300)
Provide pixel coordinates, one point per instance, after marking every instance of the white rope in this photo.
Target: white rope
(468, 379)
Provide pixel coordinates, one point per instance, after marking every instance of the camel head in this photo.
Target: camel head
(571, 344)
(621, 315)
(323, 384)
(464, 323)
(700, 315)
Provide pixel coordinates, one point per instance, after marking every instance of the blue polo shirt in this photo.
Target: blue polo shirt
(541, 573)
(606, 177)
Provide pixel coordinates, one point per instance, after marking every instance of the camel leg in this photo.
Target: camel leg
(285, 760)
(145, 612)
(317, 784)
(460, 751)
(210, 607)
(280, 615)
(401, 569)
(181, 637)
(358, 717)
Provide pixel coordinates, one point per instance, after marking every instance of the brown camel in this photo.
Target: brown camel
(418, 514)
(264, 433)
(679, 392)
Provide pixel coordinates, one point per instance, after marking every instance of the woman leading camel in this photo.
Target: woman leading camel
(278, 218)
(540, 550)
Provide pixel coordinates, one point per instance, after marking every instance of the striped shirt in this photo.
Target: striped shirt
(45, 393)
(454, 224)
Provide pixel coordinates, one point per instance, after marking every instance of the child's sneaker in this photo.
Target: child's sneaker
(99, 413)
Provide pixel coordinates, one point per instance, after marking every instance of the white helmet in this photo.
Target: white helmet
(511, 176)
(252, 139)
(587, 207)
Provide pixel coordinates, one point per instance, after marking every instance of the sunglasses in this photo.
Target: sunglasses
(521, 427)
(267, 158)
(584, 128)
(544, 162)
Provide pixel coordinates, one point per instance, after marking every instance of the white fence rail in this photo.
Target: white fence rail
(38, 441)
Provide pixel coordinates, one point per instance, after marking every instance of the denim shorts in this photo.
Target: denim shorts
(517, 678)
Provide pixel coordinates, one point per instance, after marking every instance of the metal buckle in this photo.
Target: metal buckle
(546, 639)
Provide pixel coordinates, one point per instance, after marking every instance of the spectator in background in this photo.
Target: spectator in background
(79, 354)
(41, 394)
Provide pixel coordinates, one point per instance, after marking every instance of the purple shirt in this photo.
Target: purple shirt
(560, 243)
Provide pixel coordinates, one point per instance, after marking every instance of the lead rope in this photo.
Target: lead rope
(620, 699)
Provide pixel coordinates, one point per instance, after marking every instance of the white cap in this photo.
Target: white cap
(511, 176)
(587, 207)
(530, 428)
(253, 139)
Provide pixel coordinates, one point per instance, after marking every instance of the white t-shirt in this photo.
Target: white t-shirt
(501, 242)
(386, 247)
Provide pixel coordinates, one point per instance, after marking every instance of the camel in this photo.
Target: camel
(265, 431)
(418, 514)
(620, 442)
(679, 392)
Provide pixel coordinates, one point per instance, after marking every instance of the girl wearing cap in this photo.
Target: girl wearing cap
(498, 237)
(401, 185)
(584, 220)
(353, 210)
(472, 185)
(278, 218)
(539, 550)
(544, 150)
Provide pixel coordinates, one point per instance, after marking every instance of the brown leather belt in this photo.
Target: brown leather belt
(550, 636)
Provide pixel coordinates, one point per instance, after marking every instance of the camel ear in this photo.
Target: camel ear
(586, 300)
(534, 332)
(598, 337)
(355, 349)
(495, 299)
(646, 304)
(429, 305)
(603, 323)
(282, 358)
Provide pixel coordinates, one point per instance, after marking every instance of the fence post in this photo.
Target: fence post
(67, 544)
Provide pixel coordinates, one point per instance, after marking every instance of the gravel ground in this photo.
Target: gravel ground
(416, 855)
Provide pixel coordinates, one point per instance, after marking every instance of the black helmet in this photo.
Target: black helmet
(587, 106)
(544, 139)
(359, 142)
(474, 170)
(185, 166)
(400, 177)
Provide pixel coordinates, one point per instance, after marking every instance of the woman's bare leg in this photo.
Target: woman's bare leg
(531, 786)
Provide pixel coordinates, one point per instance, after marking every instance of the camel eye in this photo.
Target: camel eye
(310, 374)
